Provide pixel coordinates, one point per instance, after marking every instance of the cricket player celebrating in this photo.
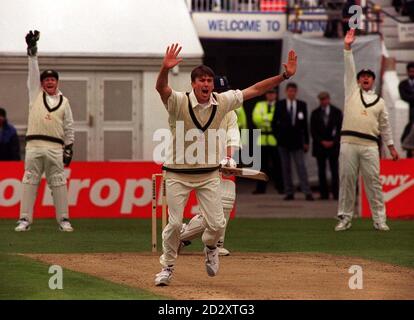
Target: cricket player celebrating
(198, 112)
(49, 137)
(365, 119)
(197, 224)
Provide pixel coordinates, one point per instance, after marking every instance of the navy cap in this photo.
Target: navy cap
(366, 71)
(221, 84)
(49, 73)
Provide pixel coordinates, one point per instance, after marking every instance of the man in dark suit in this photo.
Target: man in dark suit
(406, 89)
(290, 125)
(326, 123)
(9, 140)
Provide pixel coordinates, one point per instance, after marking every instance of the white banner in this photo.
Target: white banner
(253, 25)
(239, 25)
(406, 32)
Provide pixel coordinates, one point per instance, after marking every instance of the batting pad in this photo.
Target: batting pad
(60, 200)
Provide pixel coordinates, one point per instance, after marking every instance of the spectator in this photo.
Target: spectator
(406, 89)
(326, 123)
(333, 10)
(407, 9)
(397, 5)
(263, 114)
(9, 141)
(407, 139)
(290, 125)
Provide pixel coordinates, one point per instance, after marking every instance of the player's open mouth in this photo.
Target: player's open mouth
(204, 91)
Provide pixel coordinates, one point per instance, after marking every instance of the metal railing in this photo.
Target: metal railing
(378, 8)
(250, 6)
(296, 11)
(370, 19)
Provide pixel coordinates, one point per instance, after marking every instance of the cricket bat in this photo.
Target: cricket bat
(245, 173)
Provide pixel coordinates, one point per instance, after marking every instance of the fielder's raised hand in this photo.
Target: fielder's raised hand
(31, 41)
(291, 65)
(349, 39)
(171, 56)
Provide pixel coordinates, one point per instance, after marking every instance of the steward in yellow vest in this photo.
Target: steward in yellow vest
(262, 117)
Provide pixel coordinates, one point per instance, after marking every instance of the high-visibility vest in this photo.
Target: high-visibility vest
(241, 118)
(262, 118)
(242, 123)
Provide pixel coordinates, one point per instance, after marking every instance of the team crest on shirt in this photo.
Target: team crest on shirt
(48, 117)
(364, 113)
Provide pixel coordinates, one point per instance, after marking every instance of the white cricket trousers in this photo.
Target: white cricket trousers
(49, 161)
(353, 159)
(197, 225)
(209, 199)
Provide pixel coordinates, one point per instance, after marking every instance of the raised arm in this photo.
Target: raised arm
(33, 80)
(169, 62)
(261, 87)
(350, 81)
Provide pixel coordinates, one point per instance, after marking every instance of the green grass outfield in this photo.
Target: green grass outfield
(22, 278)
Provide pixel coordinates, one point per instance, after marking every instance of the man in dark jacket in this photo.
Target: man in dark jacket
(406, 89)
(9, 141)
(290, 125)
(407, 139)
(326, 123)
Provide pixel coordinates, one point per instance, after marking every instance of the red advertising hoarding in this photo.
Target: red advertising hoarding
(95, 190)
(397, 179)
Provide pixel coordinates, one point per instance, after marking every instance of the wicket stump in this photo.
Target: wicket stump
(154, 207)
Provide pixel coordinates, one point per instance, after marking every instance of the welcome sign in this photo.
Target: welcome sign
(260, 26)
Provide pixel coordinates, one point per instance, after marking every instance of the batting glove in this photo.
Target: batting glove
(228, 162)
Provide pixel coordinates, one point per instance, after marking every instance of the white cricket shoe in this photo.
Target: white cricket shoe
(65, 226)
(212, 261)
(222, 251)
(381, 226)
(343, 224)
(164, 277)
(23, 225)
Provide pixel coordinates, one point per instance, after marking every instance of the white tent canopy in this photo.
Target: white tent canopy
(134, 28)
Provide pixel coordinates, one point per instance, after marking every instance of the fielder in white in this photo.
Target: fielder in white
(49, 137)
(365, 119)
(198, 113)
(196, 226)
